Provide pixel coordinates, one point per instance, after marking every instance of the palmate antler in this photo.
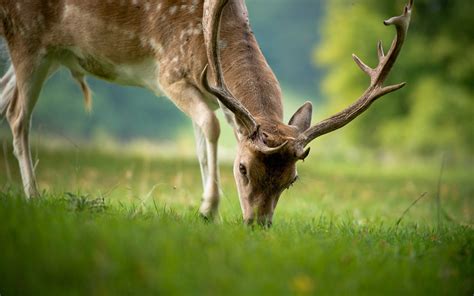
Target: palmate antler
(377, 78)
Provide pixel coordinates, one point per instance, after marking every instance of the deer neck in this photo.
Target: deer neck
(251, 81)
(246, 71)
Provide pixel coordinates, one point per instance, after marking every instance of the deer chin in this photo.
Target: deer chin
(258, 209)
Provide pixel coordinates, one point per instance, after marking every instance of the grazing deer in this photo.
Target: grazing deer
(203, 55)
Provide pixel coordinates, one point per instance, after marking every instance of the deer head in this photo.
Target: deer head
(265, 165)
(268, 149)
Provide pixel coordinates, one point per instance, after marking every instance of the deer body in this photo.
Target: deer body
(164, 46)
(140, 43)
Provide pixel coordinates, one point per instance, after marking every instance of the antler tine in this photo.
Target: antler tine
(377, 78)
(211, 27)
(380, 52)
(362, 65)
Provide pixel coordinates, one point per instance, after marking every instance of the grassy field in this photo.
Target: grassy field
(115, 223)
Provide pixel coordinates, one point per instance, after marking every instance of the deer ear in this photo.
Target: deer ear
(302, 117)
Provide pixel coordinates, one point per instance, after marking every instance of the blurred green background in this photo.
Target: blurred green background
(308, 43)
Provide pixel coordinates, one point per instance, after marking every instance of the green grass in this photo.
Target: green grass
(121, 224)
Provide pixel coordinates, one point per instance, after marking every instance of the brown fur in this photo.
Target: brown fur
(246, 71)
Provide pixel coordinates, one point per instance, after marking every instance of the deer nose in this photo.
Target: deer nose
(265, 221)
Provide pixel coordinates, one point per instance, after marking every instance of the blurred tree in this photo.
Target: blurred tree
(435, 111)
(285, 32)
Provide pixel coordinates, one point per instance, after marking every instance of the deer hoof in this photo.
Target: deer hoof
(209, 210)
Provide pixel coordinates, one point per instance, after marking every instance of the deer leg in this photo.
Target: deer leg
(201, 151)
(29, 80)
(207, 130)
(207, 155)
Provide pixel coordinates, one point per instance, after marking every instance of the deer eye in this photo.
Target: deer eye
(243, 169)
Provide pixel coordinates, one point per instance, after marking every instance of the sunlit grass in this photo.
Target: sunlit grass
(119, 223)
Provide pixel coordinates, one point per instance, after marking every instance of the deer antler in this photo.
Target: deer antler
(377, 78)
(211, 27)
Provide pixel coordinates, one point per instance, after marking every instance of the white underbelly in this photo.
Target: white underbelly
(144, 73)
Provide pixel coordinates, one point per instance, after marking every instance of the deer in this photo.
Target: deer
(203, 55)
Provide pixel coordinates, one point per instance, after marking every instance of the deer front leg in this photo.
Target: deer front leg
(206, 149)
(201, 152)
(207, 130)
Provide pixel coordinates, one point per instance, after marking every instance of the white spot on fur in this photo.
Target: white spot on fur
(156, 46)
(18, 6)
(147, 6)
(158, 7)
(192, 8)
(173, 9)
(134, 2)
(144, 42)
(67, 11)
(187, 32)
